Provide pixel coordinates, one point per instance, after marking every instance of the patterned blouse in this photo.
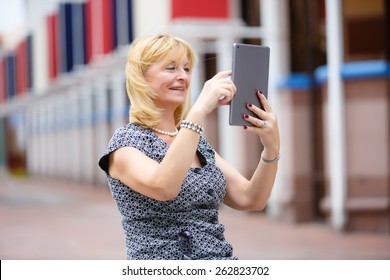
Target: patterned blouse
(185, 227)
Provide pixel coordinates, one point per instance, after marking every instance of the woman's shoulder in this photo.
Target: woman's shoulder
(130, 127)
(130, 130)
(129, 134)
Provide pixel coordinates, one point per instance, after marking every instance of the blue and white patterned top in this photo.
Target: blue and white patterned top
(185, 227)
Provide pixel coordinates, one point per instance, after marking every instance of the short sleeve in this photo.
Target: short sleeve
(206, 150)
(131, 135)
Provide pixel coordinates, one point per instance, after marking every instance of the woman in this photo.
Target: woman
(169, 183)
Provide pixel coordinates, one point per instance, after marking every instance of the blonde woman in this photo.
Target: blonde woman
(166, 179)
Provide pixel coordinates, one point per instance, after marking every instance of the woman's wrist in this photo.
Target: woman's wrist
(269, 155)
(196, 116)
(192, 126)
(269, 161)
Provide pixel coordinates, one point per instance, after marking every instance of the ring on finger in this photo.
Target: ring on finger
(264, 124)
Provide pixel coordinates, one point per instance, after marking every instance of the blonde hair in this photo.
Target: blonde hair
(142, 54)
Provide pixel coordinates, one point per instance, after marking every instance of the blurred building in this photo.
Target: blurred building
(62, 94)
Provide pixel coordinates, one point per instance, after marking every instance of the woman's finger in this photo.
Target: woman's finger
(223, 74)
(267, 107)
(258, 111)
(260, 123)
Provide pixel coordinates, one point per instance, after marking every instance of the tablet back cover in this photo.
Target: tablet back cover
(250, 72)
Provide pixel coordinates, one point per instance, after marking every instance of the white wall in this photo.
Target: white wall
(151, 16)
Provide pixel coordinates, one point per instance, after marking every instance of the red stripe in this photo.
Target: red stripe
(2, 81)
(21, 66)
(108, 26)
(52, 28)
(216, 9)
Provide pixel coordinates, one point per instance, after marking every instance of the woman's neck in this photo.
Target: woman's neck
(167, 122)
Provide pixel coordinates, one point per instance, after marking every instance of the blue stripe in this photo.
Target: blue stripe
(130, 20)
(123, 31)
(29, 61)
(78, 35)
(66, 40)
(115, 22)
(356, 70)
(297, 81)
(10, 75)
(349, 70)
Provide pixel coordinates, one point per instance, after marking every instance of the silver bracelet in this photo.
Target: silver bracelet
(193, 126)
(270, 160)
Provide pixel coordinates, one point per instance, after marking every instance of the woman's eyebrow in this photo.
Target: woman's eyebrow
(176, 63)
(169, 62)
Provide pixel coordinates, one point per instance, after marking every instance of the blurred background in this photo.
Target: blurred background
(62, 94)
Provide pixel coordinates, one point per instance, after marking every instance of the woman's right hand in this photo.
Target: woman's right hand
(219, 90)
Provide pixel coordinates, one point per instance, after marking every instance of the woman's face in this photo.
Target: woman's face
(169, 79)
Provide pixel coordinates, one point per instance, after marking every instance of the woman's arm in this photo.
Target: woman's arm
(244, 194)
(253, 194)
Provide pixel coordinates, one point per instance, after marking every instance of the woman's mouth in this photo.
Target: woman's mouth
(177, 88)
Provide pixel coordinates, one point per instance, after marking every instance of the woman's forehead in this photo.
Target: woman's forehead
(176, 57)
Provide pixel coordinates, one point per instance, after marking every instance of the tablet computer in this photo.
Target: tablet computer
(250, 70)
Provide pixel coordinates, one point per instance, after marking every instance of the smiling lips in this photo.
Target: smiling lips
(177, 88)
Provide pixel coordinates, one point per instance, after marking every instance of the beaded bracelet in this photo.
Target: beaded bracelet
(193, 126)
(270, 160)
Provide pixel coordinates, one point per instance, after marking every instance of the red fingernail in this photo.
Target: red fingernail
(249, 105)
(246, 116)
(245, 127)
(259, 91)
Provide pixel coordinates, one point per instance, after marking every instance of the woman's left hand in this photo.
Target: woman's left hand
(265, 126)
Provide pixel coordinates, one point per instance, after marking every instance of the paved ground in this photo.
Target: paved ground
(43, 218)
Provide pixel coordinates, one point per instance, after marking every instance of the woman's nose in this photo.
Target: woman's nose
(182, 74)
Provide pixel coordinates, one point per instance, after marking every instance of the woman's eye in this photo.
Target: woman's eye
(171, 68)
(187, 69)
